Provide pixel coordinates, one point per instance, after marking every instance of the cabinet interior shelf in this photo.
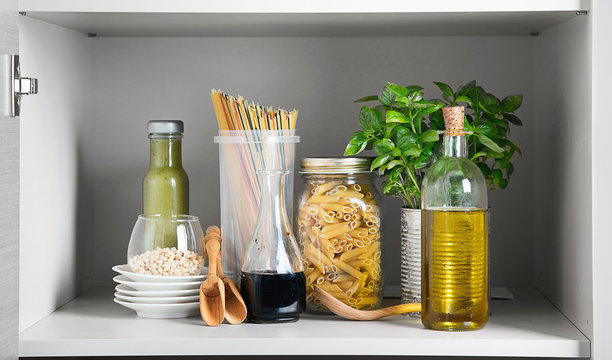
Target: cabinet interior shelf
(93, 325)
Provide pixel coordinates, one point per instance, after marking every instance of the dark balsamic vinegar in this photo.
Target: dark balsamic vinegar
(271, 297)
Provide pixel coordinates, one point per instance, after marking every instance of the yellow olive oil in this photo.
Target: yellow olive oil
(455, 270)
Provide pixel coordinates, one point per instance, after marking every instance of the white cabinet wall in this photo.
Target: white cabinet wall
(84, 148)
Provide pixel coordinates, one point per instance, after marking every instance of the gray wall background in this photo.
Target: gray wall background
(137, 79)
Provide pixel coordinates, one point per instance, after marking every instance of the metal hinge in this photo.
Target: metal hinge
(19, 86)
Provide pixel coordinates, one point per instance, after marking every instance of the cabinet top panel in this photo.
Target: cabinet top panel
(299, 7)
(305, 24)
(306, 18)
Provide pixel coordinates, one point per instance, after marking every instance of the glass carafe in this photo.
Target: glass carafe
(454, 236)
(272, 280)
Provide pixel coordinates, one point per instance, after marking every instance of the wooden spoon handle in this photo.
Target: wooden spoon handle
(220, 266)
(394, 310)
(213, 233)
(212, 248)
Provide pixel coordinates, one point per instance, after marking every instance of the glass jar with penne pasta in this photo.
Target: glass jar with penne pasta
(338, 228)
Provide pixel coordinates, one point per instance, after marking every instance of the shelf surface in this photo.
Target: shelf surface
(307, 18)
(93, 325)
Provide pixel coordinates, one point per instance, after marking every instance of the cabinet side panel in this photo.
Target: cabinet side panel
(563, 169)
(9, 188)
(602, 173)
(56, 161)
(138, 79)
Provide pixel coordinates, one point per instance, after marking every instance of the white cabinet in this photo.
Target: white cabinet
(106, 67)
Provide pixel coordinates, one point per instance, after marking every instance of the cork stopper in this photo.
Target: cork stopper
(453, 120)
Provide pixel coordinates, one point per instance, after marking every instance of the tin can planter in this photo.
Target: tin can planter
(411, 257)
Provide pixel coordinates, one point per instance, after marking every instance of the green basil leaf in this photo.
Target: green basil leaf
(396, 152)
(465, 89)
(502, 163)
(370, 119)
(486, 170)
(478, 154)
(513, 119)
(463, 98)
(386, 96)
(383, 146)
(364, 118)
(489, 143)
(413, 88)
(393, 116)
(357, 143)
(477, 94)
(436, 120)
(388, 187)
(490, 104)
(411, 152)
(494, 155)
(497, 177)
(379, 161)
(511, 103)
(403, 100)
(421, 162)
(397, 89)
(447, 92)
(388, 129)
(430, 135)
(404, 138)
(511, 145)
(487, 129)
(367, 98)
(394, 163)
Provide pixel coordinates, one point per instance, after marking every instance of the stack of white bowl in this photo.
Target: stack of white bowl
(154, 296)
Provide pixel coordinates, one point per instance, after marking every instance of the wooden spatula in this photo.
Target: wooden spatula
(339, 308)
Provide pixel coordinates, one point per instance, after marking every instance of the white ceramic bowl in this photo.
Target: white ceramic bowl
(127, 291)
(127, 271)
(162, 311)
(158, 300)
(148, 286)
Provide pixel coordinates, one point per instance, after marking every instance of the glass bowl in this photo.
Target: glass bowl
(166, 246)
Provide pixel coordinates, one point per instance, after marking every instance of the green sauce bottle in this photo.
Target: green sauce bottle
(165, 189)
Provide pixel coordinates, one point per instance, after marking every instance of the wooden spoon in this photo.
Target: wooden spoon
(212, 291)
(235, 308)
(339, 308)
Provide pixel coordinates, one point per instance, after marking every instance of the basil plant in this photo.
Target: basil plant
(402, 129)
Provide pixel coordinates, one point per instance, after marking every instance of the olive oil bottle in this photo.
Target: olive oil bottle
(454, 236)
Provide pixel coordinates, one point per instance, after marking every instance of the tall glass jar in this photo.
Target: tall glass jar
(454, 236)
(338, 226)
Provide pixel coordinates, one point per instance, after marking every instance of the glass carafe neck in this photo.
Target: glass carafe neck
(166, 150)
(272, 205)
(455, 145)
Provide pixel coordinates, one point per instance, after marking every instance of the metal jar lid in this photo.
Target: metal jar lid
(165, 127)
(344, 165)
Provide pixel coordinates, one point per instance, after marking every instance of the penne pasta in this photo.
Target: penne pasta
(339, 231)
(325, 187)
(323, 199)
